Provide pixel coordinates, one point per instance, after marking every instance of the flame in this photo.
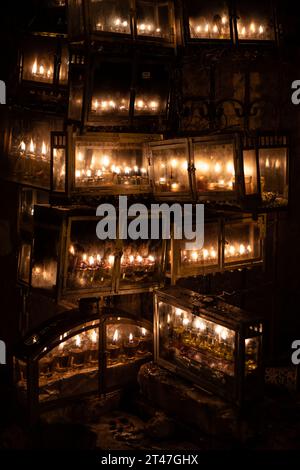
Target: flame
(111, 260)
(199, 325)
(91, 261)
(22, 146)
(31, 146)
(72, 250)
(144, 331)
(41, 70)
(261, 29)
(34, 67)
(105, 160)
(130, 338)
(252, 28)
(44, 149)
(185, 321)
(215, 28)
(116, 336)
(78, 341)
(94, 336)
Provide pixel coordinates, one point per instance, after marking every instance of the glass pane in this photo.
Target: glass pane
(107, 164)
(24, 262)
(140, 263)
(171, 169)
(38, 61)
(20, 377)
(273, 173)
(153, 19)
(214, 165)
(90, 260)
(71, 368)
(59, 169)
(64, 66)
(196, 345)
(127, 343)
(111, 93)
(191, 260)
(151, 90)
(250, 171)
(30, 150)
(75, 18)
(255, 20)
(252, 354)
(209, 20)
(30, 197)
(77, 81)
(45, 258)
(111, 16)
(242, 242)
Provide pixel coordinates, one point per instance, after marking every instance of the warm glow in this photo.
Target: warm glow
(78, 341)
(94, 336)
(22, 146)
(111, 260)
(44, 149)
(116, 336)
(185, 321)
(72, 250)
(31, 146)
(34, 67)
(130, 338)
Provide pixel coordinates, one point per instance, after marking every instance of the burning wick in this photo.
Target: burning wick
(116, 336)
(130, 338)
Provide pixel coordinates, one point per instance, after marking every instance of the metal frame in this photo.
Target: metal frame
(132, 37)
(232, 9)
(245, 326)
(177, 272)
(41, 341)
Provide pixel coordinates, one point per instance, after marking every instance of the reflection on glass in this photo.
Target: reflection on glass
(242, 242)
(208, 255)
(111, 16)
(273, 174)
(209, 20)
(250, 171)
(171, 169)
(90, 261)
(214, 164)
(104, 164)
(24, 262)
(252, 354)
(127, 343)
(192, 342)
(111, 92)
(153, 19)
(59, 169)
(45, 255)
(255, 20)
(151, 89)
(140, 262)
(30, 151)
(74, 358)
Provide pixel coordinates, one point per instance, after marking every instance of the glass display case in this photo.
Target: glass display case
(215, 345)
(121, 90)
(106, 163)
(170, 165)
(209, 20)
(211, 168)
(70, 262)
(255, 20)
(152, 88)
(232, 242)
(273, 165)
(110, 96)
(71, 356)
(216, 168)
(78, 82)
(44, 61)
(111, 20)
(28, 148)
(28, 198)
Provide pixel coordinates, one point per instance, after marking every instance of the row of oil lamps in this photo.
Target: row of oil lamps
(109, 105)
(83, 351)
(121, 25)
(232, 250)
